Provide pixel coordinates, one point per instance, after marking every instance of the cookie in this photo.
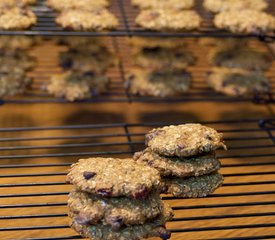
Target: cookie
(15, 3)
(164, 4)
(163, 58)
(152, 42)
(61, 5)
(135, 232)
(77, 86)
(115, 212)
(240, 57)
(98, 19)
(113, 177)
(217, 6)
(237, 82)
(168, 19)
(193, 187)
(184, 140)
(17, 42)
(16, 18)
(12, 83)
(157, 83)
(179, 167)
(97, 61)
(245, 21)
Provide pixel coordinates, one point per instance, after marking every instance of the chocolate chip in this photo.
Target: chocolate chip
(115, 222)
(88, 175)
(165, 235)
(66, 63)
(209, 137)
(106, 192)
(141, 192)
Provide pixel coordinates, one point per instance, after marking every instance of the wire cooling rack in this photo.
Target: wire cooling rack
(35, 160)
(126, 14)
(47, 56)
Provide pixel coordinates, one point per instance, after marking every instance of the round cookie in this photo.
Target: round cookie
(77, 86)
(98, 19)
(168, 19)
(147, 83)
(115, 212)
(179, 167)
(240, 57)
(245, 21)
(135, 232)
(16, 18)
(184, 140)
(165, 4)
(217, 6)
(237, 82)
(61, 5)
(193, 187)
(113, 177)
(163, 58)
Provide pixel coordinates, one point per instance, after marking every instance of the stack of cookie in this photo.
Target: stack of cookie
(159, 67)
(169, 15)
(84, 15)
(246, 16)
(16, 15)
(15, 63)
(116, 199)
(84, 69)
(185, 157)
(238, 69)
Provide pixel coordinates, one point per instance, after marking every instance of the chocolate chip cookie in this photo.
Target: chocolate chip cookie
(77, 86)
(112, 177)
(98, 19)
(193, 187)
(61, 5)
(217, 6)
(237, 82)
(16, 18)
(184, 140)
(245, 21)
(179, 167)
(168, 19)
(170, 4)
(157, 83)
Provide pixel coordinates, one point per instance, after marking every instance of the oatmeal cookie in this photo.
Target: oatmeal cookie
(157, 83)
(184, 140)
(168, 19)
(12, 83)
(112, 177)
(16, 18)
(84, 61)
(136, 232)
(140, 43)
(163, 58)
(98, 19)
(179, 167)
(61, 5)
(115, 212)
(164, 4)
(237, 82)
(240, 57)
(193, 187)
(245, 21)
(217, 6)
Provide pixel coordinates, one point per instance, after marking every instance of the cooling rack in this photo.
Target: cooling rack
(126, 14)
(47, 56)
(35, 160)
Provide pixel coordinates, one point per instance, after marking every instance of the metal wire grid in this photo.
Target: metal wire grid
(126, 13)
(48, 65)
(35, 160)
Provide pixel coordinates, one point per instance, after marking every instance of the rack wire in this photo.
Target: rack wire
(126, 13)
(35, 160)
(47, 56)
